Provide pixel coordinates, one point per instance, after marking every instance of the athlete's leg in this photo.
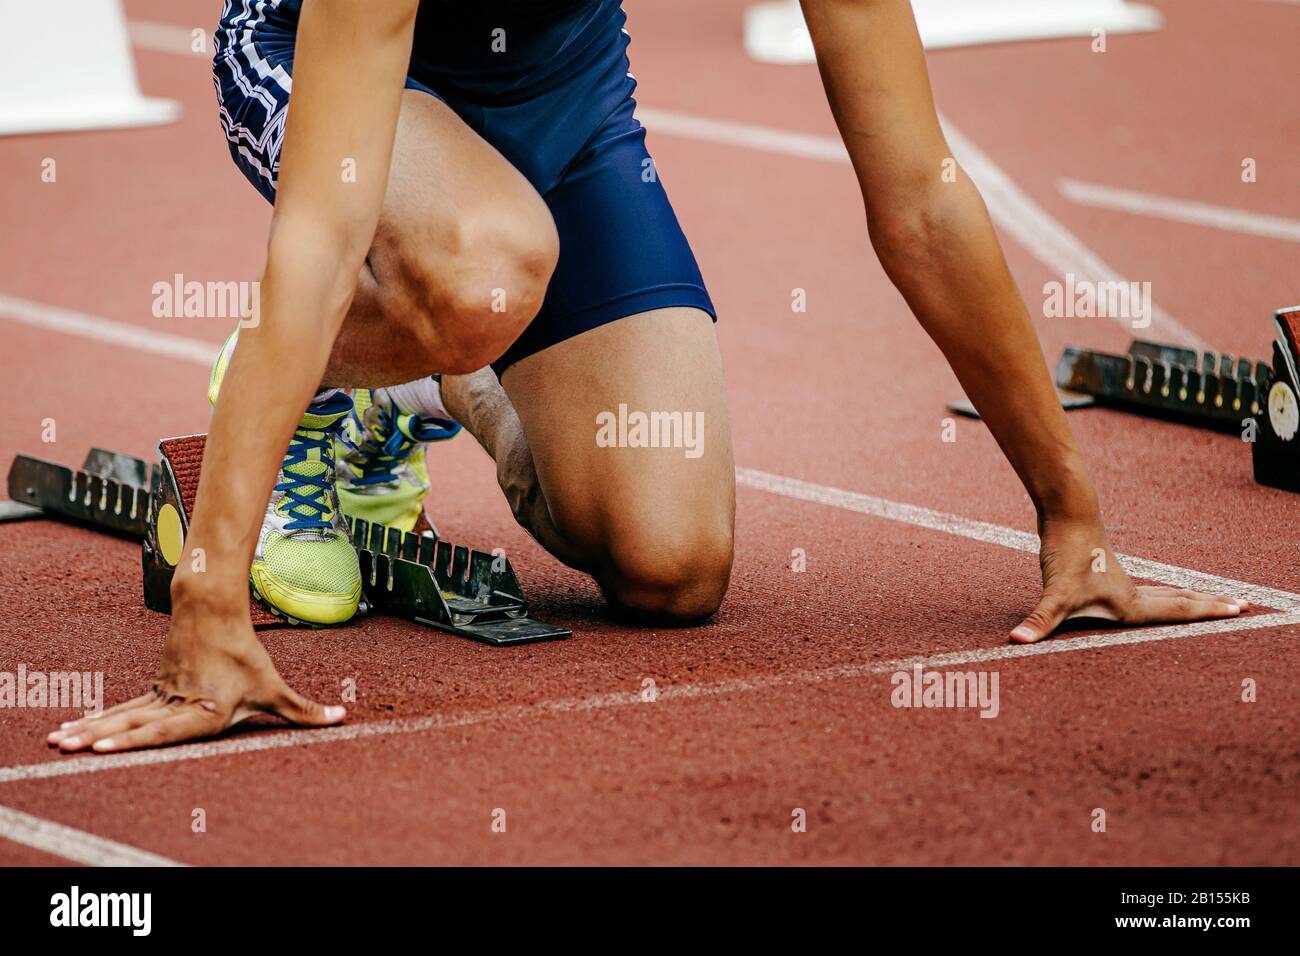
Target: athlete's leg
(653, 526)
(458, 267)
(460, 261)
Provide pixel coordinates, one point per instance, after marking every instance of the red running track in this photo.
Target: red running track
(782, 703)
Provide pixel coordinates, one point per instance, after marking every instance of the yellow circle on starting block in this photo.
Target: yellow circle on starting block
(170, 536)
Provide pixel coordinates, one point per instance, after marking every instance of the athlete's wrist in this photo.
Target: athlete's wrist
(205, 590)
(1067, 497)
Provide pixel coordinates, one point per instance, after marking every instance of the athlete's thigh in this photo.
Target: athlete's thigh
(581, 404)
(445, 180)
(458, 222)
(459, 227)
(441, 170)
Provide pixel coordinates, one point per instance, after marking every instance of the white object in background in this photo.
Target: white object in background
(775, 32)
(67, 65)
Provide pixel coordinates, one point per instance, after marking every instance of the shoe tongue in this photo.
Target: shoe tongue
(409, 425)
(323, 415)
(420, 428)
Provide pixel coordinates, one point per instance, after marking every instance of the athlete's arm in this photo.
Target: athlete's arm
(935, 240)
(350, 62)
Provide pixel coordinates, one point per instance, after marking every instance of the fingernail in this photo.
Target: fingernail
(1024, 633)
(70, 742)
(1236, 608)
(108, 743)
(334, 713)
(66, 724)
(55, 736)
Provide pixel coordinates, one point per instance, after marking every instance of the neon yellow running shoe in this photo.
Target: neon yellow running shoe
(305, 568)
(383, 476)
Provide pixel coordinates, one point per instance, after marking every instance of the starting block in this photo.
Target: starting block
(1252, 399)
(1204, 389)
(1276, 452)
(412, 575)
(110, 492)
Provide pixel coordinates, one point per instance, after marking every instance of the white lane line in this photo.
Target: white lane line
(54, 319)
(1047, 239)
(730, 133)
(1006, 537)
(258, 742)
(1041, 235)
(75, 845)
(1180, 210)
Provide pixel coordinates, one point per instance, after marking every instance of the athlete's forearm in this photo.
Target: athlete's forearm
(274, 372)
(351, 59)
(960, 289)
(933, 235)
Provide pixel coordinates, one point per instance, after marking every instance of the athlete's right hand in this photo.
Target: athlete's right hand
(214, 673)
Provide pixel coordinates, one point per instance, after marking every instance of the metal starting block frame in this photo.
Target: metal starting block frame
(421, 578)
(1204, 389)
(1251, 399)
(110, 492)
(416, 577)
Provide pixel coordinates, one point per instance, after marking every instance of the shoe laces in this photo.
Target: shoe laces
(307, 480)
(385, 445)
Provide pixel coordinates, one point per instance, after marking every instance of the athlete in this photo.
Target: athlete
(462, 188)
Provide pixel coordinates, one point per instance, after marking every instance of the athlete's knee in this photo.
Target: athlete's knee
(487, 284)
(672, 575)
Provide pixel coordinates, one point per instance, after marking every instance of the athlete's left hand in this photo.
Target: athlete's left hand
(1082, 578)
